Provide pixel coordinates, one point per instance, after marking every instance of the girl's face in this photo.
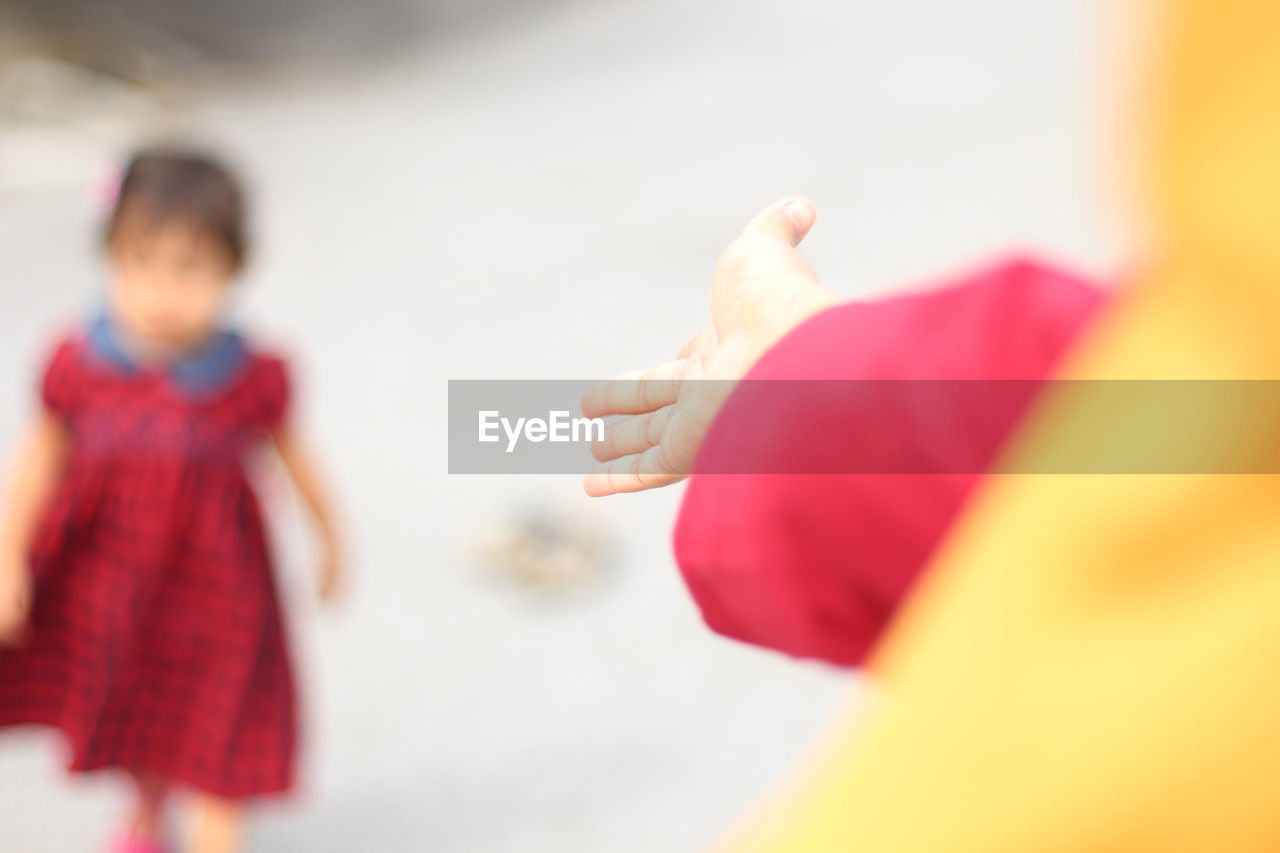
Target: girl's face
(170, 285)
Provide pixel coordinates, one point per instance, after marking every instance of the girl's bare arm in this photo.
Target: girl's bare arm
(305, 473)
(34, 472)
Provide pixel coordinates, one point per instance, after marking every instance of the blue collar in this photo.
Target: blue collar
(203, 371)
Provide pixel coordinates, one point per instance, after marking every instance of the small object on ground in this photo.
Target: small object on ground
(545, 549)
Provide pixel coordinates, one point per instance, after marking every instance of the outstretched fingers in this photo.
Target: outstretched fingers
(635, 434)
(634, 473)
(635, 393)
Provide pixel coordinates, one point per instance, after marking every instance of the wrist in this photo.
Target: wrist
(802, 305)
(765, 329)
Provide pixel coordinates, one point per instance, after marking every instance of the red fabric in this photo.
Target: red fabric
(814, 564)
(156, 639)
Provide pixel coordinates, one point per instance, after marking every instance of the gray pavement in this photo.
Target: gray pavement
(544, 198)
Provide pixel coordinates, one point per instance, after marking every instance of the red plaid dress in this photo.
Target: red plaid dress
(156, 641)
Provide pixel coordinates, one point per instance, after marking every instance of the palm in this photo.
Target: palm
(762, 288)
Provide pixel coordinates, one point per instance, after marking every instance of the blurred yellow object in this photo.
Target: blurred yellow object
(1092, 666)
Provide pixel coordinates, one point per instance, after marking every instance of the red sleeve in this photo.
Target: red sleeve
(814, 564)
(59, 381)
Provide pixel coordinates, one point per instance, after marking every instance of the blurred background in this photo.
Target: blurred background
(503, 189)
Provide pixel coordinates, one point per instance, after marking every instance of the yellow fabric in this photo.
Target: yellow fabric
(1094, 664)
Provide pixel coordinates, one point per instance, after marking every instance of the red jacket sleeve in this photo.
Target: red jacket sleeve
(814, 564)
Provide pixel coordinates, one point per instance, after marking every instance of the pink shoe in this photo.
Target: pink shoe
(134, 843)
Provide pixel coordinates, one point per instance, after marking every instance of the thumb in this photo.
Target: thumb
(788, 219)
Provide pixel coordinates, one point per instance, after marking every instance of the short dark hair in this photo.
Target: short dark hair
(163, 185)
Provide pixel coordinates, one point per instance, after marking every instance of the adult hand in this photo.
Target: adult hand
(762, 288)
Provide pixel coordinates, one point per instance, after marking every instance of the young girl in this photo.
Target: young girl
(136, 589)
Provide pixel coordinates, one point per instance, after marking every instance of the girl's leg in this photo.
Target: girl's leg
(217, 826)
(151, 791)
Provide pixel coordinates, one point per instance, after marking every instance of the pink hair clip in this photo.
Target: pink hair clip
(104, 187)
